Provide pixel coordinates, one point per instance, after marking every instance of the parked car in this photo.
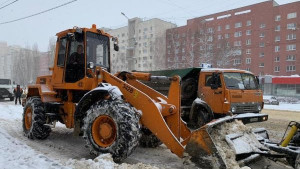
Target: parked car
(271, 100)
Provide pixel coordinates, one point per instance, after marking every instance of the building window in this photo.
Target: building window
(262, 35)
(238, 52)
(261, 65)
(277, 59)
(291, 58)
(276, 69)
(277, 18)
(261, 54)
(238, 34)
(219, 37)
(183, 50)
(277, 48)
(277, 28)
(263, 25)
(238, 25)
(261, 44)
(218, 45)
(210, 39)
(291, 26)
(290, 47)
(236, 61)
(248, 42)
(277, 38)
(226, 35)
(248, 69)
(248, 51)
(210, 30)
(248, 60)
(144, 50)
(248, 23)
(291, 68)
(219, 28)
(292, 15)
(227, 27)
(291, 36)
(237, 43)
(248, 32)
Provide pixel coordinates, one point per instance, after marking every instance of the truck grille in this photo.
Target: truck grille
(246, 108)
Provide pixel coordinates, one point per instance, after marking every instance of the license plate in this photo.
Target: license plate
(253, 119)
(4, 95)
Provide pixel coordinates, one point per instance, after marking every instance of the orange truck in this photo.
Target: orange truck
(216, 93)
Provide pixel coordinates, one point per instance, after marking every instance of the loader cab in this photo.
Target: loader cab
(78, 54)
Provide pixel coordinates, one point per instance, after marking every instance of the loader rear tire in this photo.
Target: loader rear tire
(148, 139)
(34, 119)
(112, 127)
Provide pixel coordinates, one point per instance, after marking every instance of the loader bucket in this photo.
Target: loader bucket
(223, 143)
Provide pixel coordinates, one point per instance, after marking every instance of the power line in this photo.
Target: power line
(2, 23)
(4, 2)
(8, 4)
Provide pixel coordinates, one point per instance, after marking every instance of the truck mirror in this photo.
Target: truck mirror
(91, 65)
(116, 47)
(257, 80)
(215, 81)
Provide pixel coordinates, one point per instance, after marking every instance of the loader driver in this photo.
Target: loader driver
(75, 67)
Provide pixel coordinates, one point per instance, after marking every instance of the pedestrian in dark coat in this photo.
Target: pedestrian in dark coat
(18, 91)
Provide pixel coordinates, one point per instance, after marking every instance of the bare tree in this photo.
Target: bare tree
(51, 51)
(158, 49)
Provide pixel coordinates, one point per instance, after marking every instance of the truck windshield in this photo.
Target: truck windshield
(97, 49)
(5, 82)
(243, 81)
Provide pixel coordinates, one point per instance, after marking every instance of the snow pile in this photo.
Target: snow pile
(10, 111)
(104, 161)
(15, 154)
(245, 143)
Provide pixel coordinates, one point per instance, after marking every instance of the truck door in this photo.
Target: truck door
(60, 62)
(211, 90)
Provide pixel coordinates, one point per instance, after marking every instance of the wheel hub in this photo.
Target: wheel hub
(104, 130)
(28, 118)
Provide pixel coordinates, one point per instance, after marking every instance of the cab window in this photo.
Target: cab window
(62, 52)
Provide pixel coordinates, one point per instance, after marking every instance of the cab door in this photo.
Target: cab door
(59, 67)
(211, 90)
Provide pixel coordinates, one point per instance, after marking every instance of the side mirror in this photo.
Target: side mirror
(215, 81)
(71, 36)
(257, 80)
(91, 65)
(116, 47)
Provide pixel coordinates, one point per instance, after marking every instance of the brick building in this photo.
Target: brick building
(262, 38)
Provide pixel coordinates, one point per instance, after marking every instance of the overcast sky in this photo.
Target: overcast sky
(84, 13)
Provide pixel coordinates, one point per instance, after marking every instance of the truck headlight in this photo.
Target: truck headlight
(259, 108)
(233, 109)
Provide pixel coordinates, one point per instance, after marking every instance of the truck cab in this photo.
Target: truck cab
(230, 91)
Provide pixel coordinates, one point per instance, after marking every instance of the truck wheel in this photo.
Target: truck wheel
(34, 120)
(148, 139)
(189, 89)
(112, 127)
(200, 118)
(297, 163)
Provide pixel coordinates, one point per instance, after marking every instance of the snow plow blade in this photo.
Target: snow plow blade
(224, 143)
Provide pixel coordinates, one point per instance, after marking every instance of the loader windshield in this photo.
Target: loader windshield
(97, 49)
(244, 81)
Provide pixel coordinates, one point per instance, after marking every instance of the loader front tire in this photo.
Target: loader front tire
(148, 139)
(34, 120)
(112, 127)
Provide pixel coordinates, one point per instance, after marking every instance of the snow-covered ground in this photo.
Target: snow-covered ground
(63, 150)
(284, 106)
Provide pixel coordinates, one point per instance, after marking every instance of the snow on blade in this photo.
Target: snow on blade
(234, 138)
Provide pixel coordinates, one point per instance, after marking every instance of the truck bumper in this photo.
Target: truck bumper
(251, 117)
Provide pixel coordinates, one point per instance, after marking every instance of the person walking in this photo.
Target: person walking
(18, 91)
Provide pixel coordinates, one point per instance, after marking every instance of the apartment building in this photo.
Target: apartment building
(262, 38)
(142, 45)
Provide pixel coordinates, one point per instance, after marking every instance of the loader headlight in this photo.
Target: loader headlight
(233, 109)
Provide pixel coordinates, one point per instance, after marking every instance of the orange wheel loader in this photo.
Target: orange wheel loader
(112, 112)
